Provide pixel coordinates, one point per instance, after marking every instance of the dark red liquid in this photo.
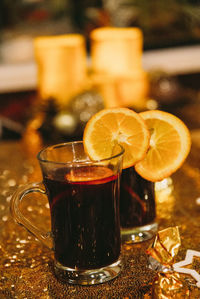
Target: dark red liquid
(85, 216)
(137, 200)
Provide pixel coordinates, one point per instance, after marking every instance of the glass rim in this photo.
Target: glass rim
(73, 163)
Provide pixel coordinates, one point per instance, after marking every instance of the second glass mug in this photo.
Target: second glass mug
(137, 207)
(83, 197)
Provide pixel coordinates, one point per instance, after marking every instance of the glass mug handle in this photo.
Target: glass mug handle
(17, 197)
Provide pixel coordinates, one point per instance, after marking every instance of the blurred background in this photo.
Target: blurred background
(164, 24)
(170, 59)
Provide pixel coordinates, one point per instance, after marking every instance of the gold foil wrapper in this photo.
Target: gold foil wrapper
(168, 284)
(166, 245)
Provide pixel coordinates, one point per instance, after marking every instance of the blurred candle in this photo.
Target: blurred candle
(116, 50)
(123, 91)
(116, 64)
(61, 62)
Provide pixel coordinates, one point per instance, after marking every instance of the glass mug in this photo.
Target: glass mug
(83, 197)
(137, 207)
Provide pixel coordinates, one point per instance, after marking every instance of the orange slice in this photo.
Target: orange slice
(90, 175)
(110, 127)
(169, 145)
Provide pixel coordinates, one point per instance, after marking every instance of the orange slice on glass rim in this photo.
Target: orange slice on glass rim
(110, 127)
(170, 144)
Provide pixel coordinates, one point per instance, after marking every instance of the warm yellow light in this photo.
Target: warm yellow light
(116, 50)
(61, 64)
(116, 63)
(129, 90)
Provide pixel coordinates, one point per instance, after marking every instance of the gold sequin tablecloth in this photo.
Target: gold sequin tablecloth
(26, 265)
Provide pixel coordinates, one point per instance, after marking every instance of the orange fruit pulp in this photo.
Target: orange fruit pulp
(156, 142)
(170, 144)
(113, 126)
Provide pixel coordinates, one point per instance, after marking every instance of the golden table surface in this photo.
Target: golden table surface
(26, 265)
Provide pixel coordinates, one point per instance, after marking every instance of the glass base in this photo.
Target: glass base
(87, 277)
(138, 234)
